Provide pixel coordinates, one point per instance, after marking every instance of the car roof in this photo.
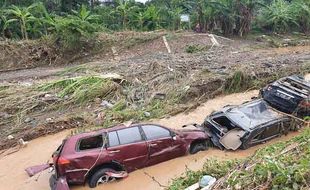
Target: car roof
(113, 128)
(252, 114)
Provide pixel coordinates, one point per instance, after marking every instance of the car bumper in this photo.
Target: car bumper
(58, 183)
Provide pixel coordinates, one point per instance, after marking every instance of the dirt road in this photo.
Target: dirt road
(13, 177)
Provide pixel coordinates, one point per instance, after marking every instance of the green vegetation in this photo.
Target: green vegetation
(284, 165)
(83, 89)
(196, 48)
(72, 21)
(239, 82)
(283, 16)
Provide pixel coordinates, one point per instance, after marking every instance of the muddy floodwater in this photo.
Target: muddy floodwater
(13, 176)
(307, 77)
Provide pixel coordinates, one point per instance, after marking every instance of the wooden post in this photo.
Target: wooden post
(166, 44)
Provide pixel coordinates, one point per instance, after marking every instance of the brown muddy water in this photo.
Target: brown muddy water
(13, 176)
(307, 77)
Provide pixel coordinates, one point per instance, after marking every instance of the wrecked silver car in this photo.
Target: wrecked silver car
(245, 125)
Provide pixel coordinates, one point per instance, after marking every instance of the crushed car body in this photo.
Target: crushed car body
(245, 125)
(289, 94)
(109, 154)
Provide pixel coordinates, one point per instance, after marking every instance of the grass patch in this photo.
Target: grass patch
(3, 88)
(238, 82)
(72, 70)
(196, 48)
(121, 112)
(139, 39)
(278, 41)
(211, 167)
(284, 165)
(83, 89)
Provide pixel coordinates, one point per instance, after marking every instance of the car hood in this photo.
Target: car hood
(252, 114)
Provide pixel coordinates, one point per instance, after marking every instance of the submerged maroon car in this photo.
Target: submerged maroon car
(104, 155)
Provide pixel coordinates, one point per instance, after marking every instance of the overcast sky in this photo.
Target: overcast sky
(142, 1)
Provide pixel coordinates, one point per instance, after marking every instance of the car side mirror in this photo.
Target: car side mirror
(173, 135)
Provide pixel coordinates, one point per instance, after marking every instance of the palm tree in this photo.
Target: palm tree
(21, 15)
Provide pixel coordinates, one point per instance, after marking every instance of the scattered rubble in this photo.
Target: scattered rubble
(10, 137)
(22, 143)
(147, 114)
(106, 104)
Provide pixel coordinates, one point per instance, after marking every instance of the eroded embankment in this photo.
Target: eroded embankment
(13, 177)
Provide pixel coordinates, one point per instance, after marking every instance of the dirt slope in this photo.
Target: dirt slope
(13, 177)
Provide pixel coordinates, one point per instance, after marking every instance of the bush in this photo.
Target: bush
(279, 16)
(70, 33)
(301, 10)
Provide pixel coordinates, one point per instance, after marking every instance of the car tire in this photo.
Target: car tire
(53, 182)
(100, 175)
(244, 146)
(197, 147)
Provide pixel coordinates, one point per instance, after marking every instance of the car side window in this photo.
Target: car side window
(154, 132)
(129, 135)
(258, 136)
(113, 139)
(91, 142)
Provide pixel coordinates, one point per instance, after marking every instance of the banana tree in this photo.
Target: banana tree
(301, 10)
(138, 20)
(152, 17)
(204, 12)
(84, 15)
(125, 8)
(175, 15)
(279, 16)
(245, 12)
(2, 22)
(22, 16)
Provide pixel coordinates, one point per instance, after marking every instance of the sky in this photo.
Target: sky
(142, 1)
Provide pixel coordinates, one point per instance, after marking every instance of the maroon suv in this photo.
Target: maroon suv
(104, 155)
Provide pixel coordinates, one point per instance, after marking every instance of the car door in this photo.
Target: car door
(272, 130)
(161, 144)
(128, 147)
(265, 133)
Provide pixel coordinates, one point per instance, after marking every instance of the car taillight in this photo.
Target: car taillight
(62, 161)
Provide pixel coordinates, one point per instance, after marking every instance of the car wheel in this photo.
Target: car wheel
(100, 177)
(244, 146)
(197, 147)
